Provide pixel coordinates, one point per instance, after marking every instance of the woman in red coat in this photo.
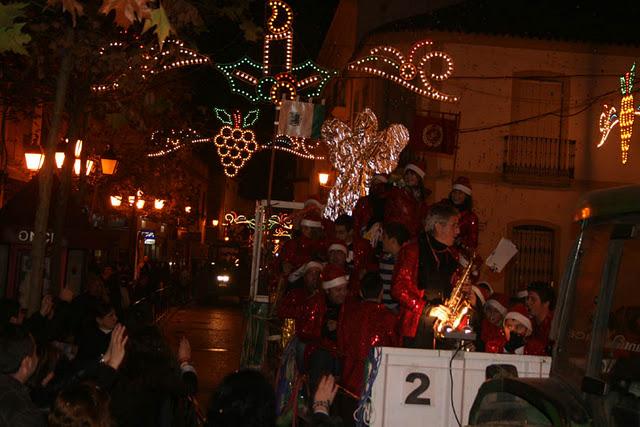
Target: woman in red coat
(460, 197)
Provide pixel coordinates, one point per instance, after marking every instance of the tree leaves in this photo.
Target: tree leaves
(74, 8)
(127, 11)
(12, 39)
(161, 23)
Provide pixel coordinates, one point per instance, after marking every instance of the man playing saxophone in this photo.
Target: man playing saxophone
(422, 276)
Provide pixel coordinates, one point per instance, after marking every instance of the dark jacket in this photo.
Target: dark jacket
(16, 407)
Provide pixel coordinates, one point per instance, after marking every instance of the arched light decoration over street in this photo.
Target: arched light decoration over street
(158, 204)
(389, 63)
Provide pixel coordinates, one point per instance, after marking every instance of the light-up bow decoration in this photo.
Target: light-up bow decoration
(356, 154)
(609, 117)
(259, 82)
(389, 63)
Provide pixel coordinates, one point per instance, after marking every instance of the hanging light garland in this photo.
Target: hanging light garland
(609, 117)
(298, 146)
(356, 154)
(389, 63)
(172, 140)
(259, 83)
(153, 60)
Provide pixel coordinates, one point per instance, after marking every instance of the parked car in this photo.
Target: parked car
(595, 371)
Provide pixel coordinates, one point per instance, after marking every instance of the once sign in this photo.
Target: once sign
(27, 236)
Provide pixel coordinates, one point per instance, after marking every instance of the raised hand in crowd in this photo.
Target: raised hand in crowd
(115, 352)
(46, 306)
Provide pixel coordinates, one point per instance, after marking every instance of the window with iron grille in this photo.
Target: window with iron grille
(535, 258)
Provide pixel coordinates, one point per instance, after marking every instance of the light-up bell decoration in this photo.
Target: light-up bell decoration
(235, 143)
(357, 154)
(411, 72)
(262, 82)
(609, 117)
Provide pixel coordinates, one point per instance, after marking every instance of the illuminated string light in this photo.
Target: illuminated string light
(235, 143)
(152, 61)
(257, 82)
(295, 145)
(173, 140)
(610, 117)
(389, 63)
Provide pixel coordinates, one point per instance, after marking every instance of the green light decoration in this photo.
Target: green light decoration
(256, 82)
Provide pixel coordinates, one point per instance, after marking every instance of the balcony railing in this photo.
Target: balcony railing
(538, 160)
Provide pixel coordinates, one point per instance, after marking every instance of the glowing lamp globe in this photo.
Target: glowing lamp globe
(140, 204)
(323, 178)
(116, 201)
(34, 159)
(108, 161)
(158, 204)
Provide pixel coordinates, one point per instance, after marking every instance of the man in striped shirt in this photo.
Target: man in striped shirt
(387, 262)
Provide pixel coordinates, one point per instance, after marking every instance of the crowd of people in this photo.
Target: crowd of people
(383, 277)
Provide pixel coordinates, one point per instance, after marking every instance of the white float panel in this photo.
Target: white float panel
(413, 387)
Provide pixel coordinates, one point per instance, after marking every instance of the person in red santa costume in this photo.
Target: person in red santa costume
(317, 318)
(360, 257)
(408, 204)
(369, 209)
(460, 197)
(309, 244)
(314, 204)
(366, 323)
(494, 311)
(517, 338)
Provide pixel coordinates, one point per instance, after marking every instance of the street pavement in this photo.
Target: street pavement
(215, 334)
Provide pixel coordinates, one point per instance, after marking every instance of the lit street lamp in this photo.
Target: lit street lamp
(323, 178)
(158, 204)
(34, 158)
(116, 201)
(108, 161)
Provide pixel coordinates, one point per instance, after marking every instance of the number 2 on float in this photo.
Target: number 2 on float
(414, 397)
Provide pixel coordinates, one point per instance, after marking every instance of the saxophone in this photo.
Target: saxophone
(457, 304)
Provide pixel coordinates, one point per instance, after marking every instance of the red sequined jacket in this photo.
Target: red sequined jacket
(363, 259)
(366, 324)
(300, 250)
(404, 288)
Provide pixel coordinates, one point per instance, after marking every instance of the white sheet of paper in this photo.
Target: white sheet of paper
(501, 255)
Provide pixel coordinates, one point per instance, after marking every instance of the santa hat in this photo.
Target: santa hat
(486, 285)
(415, 168)
(522, 294)
(338, 245)
(380, 178)
(463, 184)
(499, 302)
(333, 276)
(311, 219)
(313, 200)
(295, 275)
(481, 293)
(518, 312)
